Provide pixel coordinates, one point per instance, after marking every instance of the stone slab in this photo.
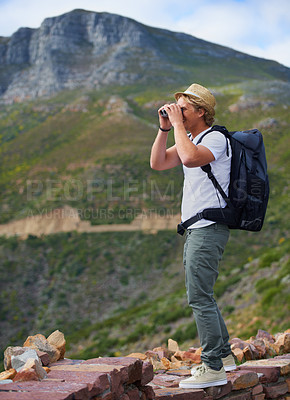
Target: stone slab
(35, 396)
(125, 361)
(257, 390)
(219, 391)
(80, 390)
(179, 394)
(66, 361)
(239, 396)
(260, 396)
(179, 372)
(269, 373)
(282, 363)
(97, 382)
(274, 392)
(133, 371)
(147, 373)
(86, 368)
(166, 381)
(242, 379)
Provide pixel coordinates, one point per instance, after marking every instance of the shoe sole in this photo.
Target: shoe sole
(202, 385)
(230, 367)
(227, 368)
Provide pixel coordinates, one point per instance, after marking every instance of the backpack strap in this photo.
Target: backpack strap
(219, 128)
(184, 225)
(207, 169)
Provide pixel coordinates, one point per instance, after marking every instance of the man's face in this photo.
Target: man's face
(191, 116)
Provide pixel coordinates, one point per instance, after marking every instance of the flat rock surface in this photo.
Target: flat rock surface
(122, 377)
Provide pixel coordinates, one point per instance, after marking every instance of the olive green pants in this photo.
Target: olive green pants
(203, 250)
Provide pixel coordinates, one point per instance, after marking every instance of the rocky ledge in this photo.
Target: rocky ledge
(133, 377)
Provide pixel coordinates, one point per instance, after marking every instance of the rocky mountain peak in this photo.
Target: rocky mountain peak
(89, 49)
(79, 48)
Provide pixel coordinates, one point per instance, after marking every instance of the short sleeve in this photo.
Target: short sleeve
(216, 143)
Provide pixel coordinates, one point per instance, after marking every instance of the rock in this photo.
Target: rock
(5, 381)
(193, 356)
(173, 346)
(274, 392)
(57, 340)
(153, 355)
(36, 365)
(44, 357)
(238, 353)
(141, 356)
(248, 353)
(176, 364)
(12, 351)
(164, 380)
(276, 366)
(179, 394)
(166, 363)
(243, 379)
(18, 362)
(244, 104)
(282, 343)
(26, 375)
(147, 373)
(157, 365)
(237, 343)
(260, 346)
(219, 391)
(163, 352)
(257, 390)
(268, 123)
(265, 335)
(9, 374)
(270, 349)
(179, 355)
(39, 342)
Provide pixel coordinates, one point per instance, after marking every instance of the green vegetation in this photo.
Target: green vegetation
(73, 273)
(113, 293)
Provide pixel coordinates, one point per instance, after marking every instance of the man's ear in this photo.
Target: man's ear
(201, 112)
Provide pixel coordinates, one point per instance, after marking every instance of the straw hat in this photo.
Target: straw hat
(202, 96)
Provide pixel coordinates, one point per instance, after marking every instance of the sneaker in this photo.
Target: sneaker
(204, 377)
(228, 363)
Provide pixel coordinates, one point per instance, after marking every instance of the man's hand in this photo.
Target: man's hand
(164, 122)
(174, 113)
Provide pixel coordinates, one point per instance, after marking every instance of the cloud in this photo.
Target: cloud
(256, 27)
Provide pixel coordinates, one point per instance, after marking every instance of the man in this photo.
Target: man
(191, 116)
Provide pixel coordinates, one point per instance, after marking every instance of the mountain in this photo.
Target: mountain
(93, 50)
(77, 120)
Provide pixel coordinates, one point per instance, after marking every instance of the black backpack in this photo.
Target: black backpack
(249, 184)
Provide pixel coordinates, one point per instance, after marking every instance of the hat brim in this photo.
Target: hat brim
(186, 93)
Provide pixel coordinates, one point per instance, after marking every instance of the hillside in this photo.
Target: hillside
(88, 148)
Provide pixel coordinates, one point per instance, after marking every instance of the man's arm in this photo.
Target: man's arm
(189, 154)
(162, 158)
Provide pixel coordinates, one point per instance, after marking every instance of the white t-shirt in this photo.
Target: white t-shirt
(198, 191)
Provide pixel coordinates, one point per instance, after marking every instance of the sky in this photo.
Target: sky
(256, 27)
